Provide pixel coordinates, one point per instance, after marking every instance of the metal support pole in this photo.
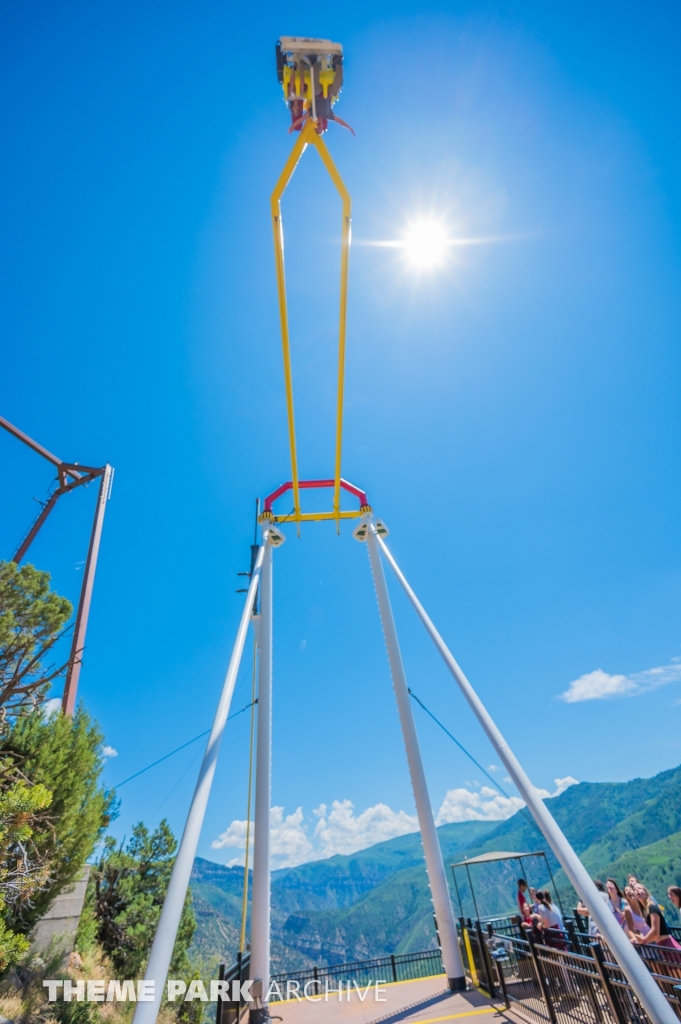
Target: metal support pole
(166, 931)
(21, 436)
(260, 907)
(553, 883)
(458, 894)
(451, 957)
(35, 528)
(653, 1000)
(470, 886)
(68, 704)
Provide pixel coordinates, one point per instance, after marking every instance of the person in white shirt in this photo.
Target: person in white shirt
(551, 920)
(549, 913)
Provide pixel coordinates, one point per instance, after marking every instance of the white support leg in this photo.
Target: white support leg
(260, 909)
(166, 932)
(451, 957)
(656, 1006)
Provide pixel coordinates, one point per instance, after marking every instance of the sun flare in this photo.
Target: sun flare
(425, 243)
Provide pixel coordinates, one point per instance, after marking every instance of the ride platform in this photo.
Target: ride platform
(422, 1001)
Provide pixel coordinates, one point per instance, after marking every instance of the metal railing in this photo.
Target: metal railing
(228, 1011)
(566, 977)
(326, 980)
(385, 969)
(562, 977)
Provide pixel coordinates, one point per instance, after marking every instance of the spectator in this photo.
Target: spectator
(581, 909)
(674, 893)
(633, 881)
(551, 920)
(617, 900)
(531, 922)
(638, 924)
(549, 913)
(659, 932)
(521, 898)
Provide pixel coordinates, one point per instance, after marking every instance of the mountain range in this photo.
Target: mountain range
(376, 901)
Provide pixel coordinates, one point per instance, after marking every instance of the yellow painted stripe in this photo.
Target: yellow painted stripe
(456, 1016)
(411, 981)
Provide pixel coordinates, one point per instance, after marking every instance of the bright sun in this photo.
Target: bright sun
(426, 243)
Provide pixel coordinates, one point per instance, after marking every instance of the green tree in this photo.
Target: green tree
(126, 894)
(32, 619)
(62, 756)
(20, 876)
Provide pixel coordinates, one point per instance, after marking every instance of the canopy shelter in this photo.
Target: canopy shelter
(491, 857)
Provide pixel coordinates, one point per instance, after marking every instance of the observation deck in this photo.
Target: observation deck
(422, 1001)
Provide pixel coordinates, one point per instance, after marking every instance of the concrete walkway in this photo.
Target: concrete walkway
(425, 1001)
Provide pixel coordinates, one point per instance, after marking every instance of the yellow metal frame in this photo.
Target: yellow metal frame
(314, 517)
(309, 136)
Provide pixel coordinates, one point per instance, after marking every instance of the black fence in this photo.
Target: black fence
(228, 1011)
(566, 977)
(327, 980)
(556, 977)
(385, 969)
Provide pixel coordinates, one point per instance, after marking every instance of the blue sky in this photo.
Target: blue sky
(514, 415)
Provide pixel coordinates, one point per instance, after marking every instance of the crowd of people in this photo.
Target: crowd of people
(638, 913)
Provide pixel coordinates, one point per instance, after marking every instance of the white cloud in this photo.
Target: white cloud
(109, 752)
(561, 785)
(52, 705)
(342, 831)
(484, 805)
(339, 830)
(233, 837)
(289, 843)
(599, 685)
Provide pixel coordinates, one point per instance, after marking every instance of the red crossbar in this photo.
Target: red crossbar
(303, 484)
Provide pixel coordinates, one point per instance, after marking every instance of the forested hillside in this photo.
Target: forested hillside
(376, 901)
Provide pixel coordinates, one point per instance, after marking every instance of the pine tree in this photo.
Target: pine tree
(125, 897)
(63, 756)
(20, 876)
(32, 619)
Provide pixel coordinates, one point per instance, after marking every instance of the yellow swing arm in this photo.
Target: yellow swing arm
(309, 136)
